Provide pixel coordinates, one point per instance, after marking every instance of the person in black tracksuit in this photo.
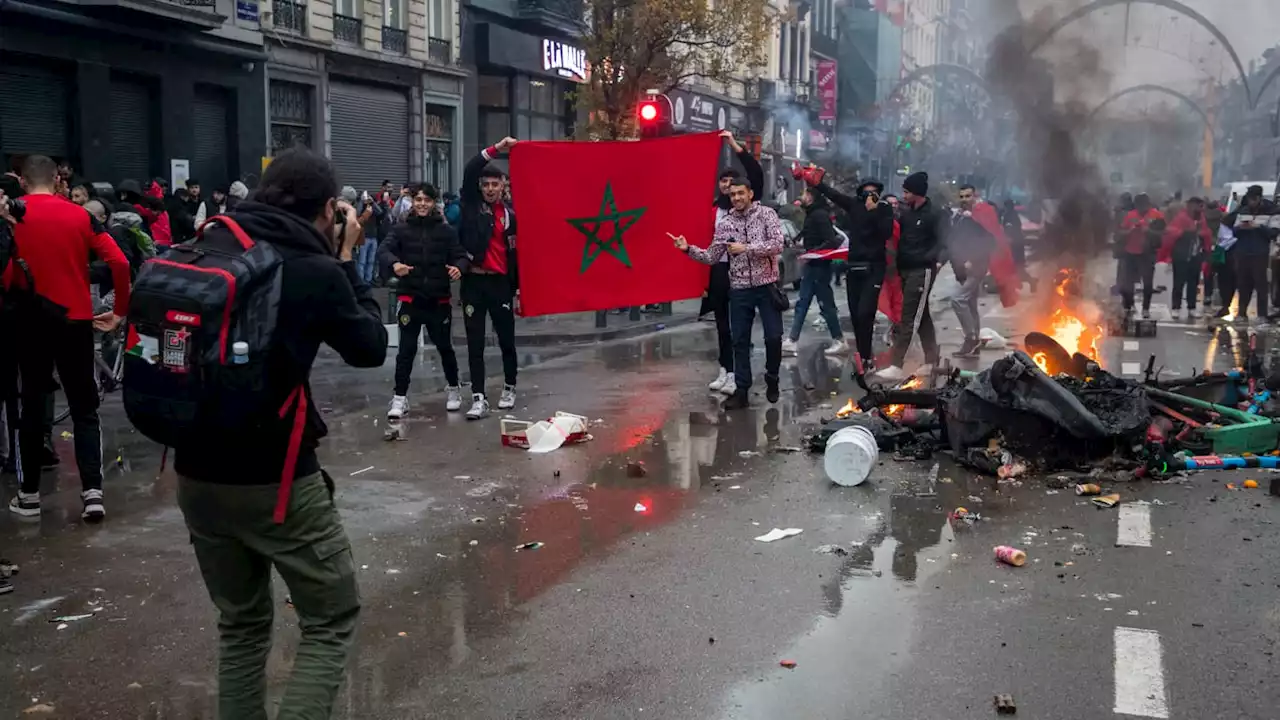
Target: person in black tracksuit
(1252, 250)
(487, 230)
(424, 254)
(718, 285)
(923, 230)
(869, 225)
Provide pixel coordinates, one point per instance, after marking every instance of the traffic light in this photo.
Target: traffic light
(654, 115)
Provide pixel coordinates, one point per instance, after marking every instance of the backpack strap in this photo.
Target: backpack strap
(240, 235)
(291, 455)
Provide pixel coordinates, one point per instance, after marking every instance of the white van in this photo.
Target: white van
(1233, 192)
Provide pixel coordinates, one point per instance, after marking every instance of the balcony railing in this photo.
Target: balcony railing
(290, 16)
(347, 29)
(395, 40)
(440, 51)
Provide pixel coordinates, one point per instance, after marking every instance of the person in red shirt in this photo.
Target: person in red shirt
(1143, 228)
(54, 319)
(1187, 242)
(487, 230)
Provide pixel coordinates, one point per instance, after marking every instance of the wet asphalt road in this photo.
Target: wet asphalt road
(673, 611)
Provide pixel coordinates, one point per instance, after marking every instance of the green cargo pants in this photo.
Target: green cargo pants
(237, 544)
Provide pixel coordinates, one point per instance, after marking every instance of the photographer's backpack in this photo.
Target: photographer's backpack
(205, 316)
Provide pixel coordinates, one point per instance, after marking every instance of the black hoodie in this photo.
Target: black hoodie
(869, 230)
(322, 301)
(818, 232)
(427, 244)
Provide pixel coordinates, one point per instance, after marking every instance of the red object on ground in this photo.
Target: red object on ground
(789, 664)
(597, 220)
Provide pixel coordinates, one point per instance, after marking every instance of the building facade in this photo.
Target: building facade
(122, 89)
(527, 61)
(375, 84)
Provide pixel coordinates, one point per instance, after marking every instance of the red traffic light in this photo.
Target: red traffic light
(648, 111)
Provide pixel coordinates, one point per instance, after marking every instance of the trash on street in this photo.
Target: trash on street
(1107, 501)
(1010, 555)
(545, 436)
(778, 534)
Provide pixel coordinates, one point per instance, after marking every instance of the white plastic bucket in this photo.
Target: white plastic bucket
(851, 453)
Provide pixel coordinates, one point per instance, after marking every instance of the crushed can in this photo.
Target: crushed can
(964, 515)
(1088, 489)
(1010, 555)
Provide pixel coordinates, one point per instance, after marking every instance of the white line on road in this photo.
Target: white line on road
(1130, 368)
(1140, 686)
(1130, 345)
(1134, 525)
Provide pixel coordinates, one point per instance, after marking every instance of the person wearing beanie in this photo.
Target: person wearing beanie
(425, 256)
(923, 227)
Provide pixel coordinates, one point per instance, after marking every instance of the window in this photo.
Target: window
(437, 127)
(542, 128)
(438, 25)
(542, 97)
(290, 107)
(395, 15)
(346, 7)
(494, 125)
(494, 91)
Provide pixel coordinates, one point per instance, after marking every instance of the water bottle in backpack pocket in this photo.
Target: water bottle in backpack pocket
(205, 315)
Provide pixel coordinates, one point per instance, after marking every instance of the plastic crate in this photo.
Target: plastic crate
(1244, 433)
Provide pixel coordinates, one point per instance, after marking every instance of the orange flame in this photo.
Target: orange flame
(849, 409)
(1042, 360)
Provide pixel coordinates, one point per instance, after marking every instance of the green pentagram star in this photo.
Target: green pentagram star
(590, 228)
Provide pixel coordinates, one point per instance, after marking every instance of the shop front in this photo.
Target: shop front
(524, 85)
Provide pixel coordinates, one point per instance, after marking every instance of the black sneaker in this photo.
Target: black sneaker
(739, 400)
(969, 348)
(6, 587)
(771, 388)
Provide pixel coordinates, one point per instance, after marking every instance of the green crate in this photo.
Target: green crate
(1247, 434)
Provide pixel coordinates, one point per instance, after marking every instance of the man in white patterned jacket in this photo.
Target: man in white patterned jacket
(751, 234)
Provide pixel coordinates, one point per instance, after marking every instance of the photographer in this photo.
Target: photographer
(235, 482)
(55, 241)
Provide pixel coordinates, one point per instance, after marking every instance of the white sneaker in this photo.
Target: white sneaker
(508, 398)
(719, 381)
(399, 406)
(730, 385)
(479, 407)
(837, 347)
(1192, 315)
(25, 504)
(790, 348)
(453, 398)
(94, 510)
(923, 372)
(890, 373)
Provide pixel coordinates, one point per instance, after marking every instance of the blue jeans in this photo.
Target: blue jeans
(743, 305)
(815, 282)
(367, 259)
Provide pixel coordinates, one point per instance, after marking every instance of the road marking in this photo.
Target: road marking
(1130, 345)
(1130, 368)
(1140, 686)
(1134, 525)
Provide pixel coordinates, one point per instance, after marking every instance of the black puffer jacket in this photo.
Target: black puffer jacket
(818, 232)
(869, 230)
(428, 245)
(923, 236)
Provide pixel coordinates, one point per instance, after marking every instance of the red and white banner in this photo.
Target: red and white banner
(827, 89)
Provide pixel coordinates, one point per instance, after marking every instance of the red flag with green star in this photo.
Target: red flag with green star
(596, 220)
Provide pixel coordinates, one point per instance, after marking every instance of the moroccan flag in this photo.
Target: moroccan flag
(596, 220)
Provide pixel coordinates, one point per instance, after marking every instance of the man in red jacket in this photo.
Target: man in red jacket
(1143, 228)
(1187, 243)
(54, 321)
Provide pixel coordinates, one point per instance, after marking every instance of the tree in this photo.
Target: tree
(637, 45)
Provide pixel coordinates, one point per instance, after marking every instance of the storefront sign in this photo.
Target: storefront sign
(827, 89)
(695, 113)
(817, 140)
(564, 60)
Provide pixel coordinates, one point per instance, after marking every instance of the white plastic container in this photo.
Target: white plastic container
(547, 435)
(851, 454)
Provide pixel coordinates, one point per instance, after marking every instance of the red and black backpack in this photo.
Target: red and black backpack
(192, 309)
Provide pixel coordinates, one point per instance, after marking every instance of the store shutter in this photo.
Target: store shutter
(33, 111)
(369, 135)
(131, 131)
(210, 159)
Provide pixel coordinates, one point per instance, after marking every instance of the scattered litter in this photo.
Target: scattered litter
(1132, 612)
(788, 664)
(1251, 484)
(636, 469)
(748, 453)
(850, 454)
(393, 571)
(134, 686)
(788, 449)
(63, 626)
(1102, 597)
(831, 550)
(777, 534)
(1079, 549)
(361, 471)
(965, 515)
(545, 436)
(1010, 555)
(71, 618)
(403, 634)
(735, 487)
(1005, 705)
(989, 339)
(640, 507)
(394, 432)
(1231, 486)
(1088, 489)
(1011, 470)
(461, 477)
(477, 520)
(41, 709)
(475, 543)
(529, 546)
(1107, 501)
